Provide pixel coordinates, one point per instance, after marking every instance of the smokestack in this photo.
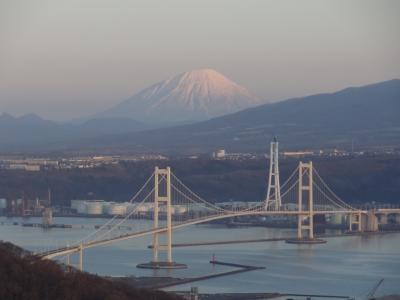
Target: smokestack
(49, 197)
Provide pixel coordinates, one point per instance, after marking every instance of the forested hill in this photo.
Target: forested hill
(358, 180)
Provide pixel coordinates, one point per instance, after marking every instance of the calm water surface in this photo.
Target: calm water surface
(344, 266)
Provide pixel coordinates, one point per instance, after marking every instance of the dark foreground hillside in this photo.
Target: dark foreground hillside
(23, 276)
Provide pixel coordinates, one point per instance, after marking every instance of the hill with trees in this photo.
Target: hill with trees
(356, 179)
(24, 276)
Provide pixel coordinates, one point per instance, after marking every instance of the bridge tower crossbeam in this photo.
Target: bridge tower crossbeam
(355, 219)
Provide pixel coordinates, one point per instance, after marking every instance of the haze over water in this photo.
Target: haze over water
(344, 266)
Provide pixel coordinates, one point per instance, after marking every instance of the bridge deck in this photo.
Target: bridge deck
(76, 248)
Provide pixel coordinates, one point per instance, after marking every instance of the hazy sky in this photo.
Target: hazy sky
(70, 58)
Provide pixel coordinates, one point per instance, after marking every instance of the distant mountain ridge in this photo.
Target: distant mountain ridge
(192, 96)
(27, 118)
(30, 130)
(26, 129)
(367, 116)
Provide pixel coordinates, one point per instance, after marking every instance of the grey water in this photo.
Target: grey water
(348, 266)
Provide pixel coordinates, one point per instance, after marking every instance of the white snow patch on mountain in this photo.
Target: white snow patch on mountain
(192, 96)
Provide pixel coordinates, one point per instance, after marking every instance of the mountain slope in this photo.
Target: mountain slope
(96, 127)
(369, 116)
(192, 96)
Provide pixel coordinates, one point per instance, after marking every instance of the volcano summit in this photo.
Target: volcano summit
(192, 96)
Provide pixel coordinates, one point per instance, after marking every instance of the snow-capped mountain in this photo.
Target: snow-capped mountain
(192, 96)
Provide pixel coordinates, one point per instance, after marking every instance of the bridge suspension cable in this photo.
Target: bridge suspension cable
(176, 206)
(337, 200)
(125, 218)
(105, 225)
(194, 195)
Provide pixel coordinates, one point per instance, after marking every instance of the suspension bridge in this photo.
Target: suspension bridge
(164, 204)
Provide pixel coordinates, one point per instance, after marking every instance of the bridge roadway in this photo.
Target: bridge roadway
(74, 249)
(77, 248)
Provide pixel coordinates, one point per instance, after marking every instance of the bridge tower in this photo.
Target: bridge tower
(273, 200)
(162, 200)
(305, 192)
(162, 203)
(305, 187)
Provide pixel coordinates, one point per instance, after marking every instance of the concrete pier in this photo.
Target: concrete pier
(383, 219)
(397, 218)
(372, 221)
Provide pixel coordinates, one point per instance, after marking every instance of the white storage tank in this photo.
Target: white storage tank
(94, 207)
(116, 209)
(336, 219)
(129, 207)
(144, 207)
(79, 206)
(106, 206)
(3, 203)
(76, 204)
(195, 207)
(81, 209)
(179, 209)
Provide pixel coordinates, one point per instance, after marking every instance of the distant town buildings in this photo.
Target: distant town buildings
(87, 162)
(221, 154)
(37, 164)
(297, 153)
(28, 164)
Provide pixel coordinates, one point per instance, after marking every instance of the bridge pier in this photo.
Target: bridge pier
(355, 219)
(372, 221)
(383, 219)
(67, 259)
(162, 197)
(397, 218)
(81, 257)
